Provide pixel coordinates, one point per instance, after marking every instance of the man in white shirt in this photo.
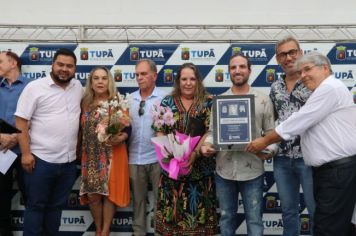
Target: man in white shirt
(143, 164)
(327, 126)
(48, 115)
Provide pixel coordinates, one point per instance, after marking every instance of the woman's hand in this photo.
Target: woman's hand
(207, 150)
(191, 160)
(117, 139)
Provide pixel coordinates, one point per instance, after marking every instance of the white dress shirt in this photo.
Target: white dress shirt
(141, 148)
(326, 123)
(53, 113)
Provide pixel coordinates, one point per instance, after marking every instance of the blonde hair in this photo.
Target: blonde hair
(200, 92)
(88, 97)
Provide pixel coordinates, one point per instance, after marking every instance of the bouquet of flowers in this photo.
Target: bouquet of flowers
(173, 151)
(114, 117)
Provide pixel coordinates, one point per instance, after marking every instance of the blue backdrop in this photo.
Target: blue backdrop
(212, 60)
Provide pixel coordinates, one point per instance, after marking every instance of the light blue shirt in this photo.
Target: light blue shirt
(9, 95)
(141, 148)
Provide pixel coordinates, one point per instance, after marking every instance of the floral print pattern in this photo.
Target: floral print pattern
(96, 159)
(285, 104)
(187, 206)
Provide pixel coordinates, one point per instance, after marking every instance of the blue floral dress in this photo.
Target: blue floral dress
(187, 206)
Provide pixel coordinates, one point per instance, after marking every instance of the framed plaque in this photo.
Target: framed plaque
(234, 121)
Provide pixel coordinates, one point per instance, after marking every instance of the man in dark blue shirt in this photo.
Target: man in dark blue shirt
(11, 86)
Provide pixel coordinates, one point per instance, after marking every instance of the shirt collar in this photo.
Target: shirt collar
(250, 91)
(283, 80)
(19, 79)
(2, 82)
(155, 92)
(137, 96)
(51, 82)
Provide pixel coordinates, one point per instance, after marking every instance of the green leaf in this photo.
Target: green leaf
(112, 129)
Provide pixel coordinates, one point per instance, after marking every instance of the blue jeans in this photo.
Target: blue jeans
(289, 175)
(47, 189)
(252, 197)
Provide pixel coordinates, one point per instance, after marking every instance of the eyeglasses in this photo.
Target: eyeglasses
(305, 70)
(291, 53)
(141, 110)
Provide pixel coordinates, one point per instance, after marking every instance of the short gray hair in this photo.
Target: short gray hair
(286, 39)
(314, 57)
(150, 63)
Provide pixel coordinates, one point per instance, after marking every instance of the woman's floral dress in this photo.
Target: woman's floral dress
(96, 158)
(187, 206)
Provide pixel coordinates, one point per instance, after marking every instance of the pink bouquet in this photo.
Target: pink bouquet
(173, 151)
(163, 119)
(114, 117)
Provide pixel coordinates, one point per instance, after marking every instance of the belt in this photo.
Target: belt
(339, 162)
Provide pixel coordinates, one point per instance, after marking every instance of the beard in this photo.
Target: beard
(56, 79)
(240, 83)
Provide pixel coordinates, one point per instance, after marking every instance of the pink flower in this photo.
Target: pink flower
(168, 118)
(155, 114)
(125, 120)
(163, 118)
(158, 123)
(101, 128)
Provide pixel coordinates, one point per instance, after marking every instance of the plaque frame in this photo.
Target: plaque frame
(233, 121)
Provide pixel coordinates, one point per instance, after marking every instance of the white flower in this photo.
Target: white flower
(104, 105)
(114, 103)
